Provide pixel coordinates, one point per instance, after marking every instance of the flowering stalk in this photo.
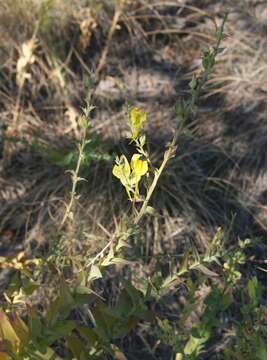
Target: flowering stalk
(184, 109)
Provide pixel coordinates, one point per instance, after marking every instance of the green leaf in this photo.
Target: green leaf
(196, 341)
(105, 322)
(83, 290)
(34, 324)
(117, 260)
(254, 291)
(7, 333)
(124, 306)
(261, 350)
(89, 335)
(62, 329)
(20, 328)
(108, 259)
(122, 244)
(29, 286)
(220, 50)
(62, 306)
(142, 140)
(83, 122)
(219, 34)
(150, 210)
(193, 82)
(48, 355)
(77, 347)
(181, 109)
(169, 281)
(139, 307)
(95, 273)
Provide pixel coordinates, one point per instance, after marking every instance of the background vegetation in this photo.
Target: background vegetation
(190, 281)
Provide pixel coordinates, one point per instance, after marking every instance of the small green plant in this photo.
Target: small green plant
(65, 157)
(78, 323)
(189, 344)
(251, 328)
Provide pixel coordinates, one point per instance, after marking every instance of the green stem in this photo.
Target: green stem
(171, 149)
(75, 180)
(167, 156)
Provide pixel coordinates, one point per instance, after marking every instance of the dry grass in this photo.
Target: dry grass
(143, 54)
(145, 57)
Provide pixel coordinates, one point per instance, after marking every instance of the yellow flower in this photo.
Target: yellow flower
(130, 175)
(137, 118)
(139, 167)
(122, 170)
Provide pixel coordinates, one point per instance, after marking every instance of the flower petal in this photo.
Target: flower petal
(122, 170)
(139, 167)
(137, 117)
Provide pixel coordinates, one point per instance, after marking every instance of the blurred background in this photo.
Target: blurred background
(53, 53)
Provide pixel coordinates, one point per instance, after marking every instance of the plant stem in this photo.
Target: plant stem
(195, 94)
(75, 180)
(167, 156)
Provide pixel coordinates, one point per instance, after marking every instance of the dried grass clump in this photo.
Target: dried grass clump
(241, 74)
(146, 59)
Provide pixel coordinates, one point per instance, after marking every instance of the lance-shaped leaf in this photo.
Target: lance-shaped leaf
(8, 334)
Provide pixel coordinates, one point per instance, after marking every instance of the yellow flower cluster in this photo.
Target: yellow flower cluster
(130, 174)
